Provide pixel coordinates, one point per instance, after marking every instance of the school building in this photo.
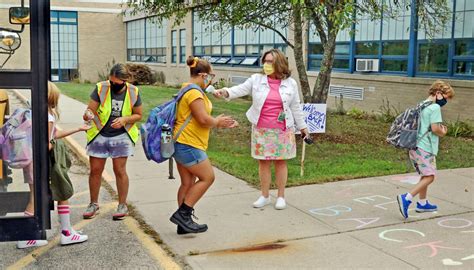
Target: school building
(370, 67)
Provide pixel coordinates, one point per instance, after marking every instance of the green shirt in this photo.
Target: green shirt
(430, 115)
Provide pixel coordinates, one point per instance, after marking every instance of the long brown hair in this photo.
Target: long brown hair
(280, 63)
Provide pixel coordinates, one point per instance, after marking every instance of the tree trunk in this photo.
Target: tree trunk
(321, 87)
(298, 53)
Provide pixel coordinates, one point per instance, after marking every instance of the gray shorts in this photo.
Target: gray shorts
(113, 147)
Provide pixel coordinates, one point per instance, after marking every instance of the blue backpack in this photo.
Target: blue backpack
(162, 114)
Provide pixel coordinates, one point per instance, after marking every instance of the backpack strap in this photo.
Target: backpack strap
(188, 119)
(422, 106)
(178, 97)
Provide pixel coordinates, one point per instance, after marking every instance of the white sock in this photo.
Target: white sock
(409, 196)
(64, 218)
(28, 214)
(422, 202)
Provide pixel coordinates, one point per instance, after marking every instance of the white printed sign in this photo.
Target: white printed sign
(315, 117)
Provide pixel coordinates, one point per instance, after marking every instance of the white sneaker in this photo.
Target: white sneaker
(280, 203)
(262, 201)
(31, 243)
(73, 238)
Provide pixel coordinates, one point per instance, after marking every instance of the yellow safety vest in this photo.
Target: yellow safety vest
(105, 108)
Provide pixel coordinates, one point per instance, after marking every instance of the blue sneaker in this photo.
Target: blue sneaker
(425, 208)
(403, 204)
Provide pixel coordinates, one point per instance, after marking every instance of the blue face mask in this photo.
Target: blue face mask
(441, 102)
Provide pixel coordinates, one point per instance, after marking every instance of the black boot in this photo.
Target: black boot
(182, 217)
(180, 230)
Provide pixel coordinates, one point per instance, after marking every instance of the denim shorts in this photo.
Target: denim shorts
(113, 147)
(187, 155)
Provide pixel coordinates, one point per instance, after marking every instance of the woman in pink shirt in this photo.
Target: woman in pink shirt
(275, 114)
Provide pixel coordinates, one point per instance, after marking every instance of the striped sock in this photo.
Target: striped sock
(64, 219)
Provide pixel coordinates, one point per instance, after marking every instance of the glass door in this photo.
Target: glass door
(25, 202)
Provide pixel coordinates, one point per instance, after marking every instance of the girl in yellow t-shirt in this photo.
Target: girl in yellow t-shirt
(191, 145)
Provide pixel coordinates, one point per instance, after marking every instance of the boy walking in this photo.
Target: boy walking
(424, 156)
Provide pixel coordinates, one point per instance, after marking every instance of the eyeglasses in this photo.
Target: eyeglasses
(212, 75)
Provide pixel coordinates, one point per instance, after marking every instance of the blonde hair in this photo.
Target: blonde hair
(443, 87)
(53, 98)
(280, 63)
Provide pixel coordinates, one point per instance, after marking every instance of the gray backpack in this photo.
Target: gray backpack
(404, 130)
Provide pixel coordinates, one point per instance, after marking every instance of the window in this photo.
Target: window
(182, 46)
(395, 48)
(64, 46)
(395, 65)
(174, 45)
(315, 49)
(239, 43)
(136, 40)
(463, 60)
(397, 28)
(368, 29)
(146, 40)
(250, 61)
(367, 48)
(433, 58)
(464, 47)
(464, 68)
(444, 33)
(156, 36)
(464, 20)
(210, 38)
(395, 56)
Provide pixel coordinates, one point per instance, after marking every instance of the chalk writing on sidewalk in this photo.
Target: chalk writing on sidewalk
(330, 211)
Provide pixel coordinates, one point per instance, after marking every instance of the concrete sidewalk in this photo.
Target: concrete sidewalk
(347, 224)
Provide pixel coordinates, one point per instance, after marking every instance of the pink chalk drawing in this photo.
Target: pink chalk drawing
(347, 192)
(408, 179)
(434, 247)
(363, 221)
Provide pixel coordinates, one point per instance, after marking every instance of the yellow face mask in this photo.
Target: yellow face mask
(268, 69)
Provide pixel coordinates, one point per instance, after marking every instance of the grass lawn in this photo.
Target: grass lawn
(350, 148)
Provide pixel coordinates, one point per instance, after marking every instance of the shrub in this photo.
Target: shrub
(357, 114)
(460, 129)
(103, 76)
(388, 112)
(140, 74)
(160, 77)
(221, 83)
